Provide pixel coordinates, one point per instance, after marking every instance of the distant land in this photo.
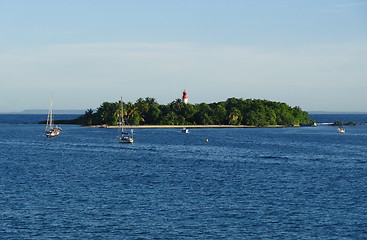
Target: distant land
(43, 111)
(327, 112)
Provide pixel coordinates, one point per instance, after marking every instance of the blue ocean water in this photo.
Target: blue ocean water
(331, 118)
(252, 183)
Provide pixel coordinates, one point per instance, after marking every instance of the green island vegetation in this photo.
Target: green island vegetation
(233, 111)
(341, 123)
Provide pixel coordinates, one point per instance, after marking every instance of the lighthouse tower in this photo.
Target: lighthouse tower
(184, 97)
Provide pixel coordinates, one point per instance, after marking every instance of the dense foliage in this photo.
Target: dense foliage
(341, 123)
(231, 112)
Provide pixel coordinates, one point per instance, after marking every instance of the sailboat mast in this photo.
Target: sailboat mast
(48, 119)
(49, 116)
(51, 112)
(122, 117)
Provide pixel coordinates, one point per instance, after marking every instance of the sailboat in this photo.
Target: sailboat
(124, 137)
(51, 131)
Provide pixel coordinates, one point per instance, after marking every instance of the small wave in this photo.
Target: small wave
(273, 157)
(268, 157)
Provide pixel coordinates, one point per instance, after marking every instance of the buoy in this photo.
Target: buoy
(206, 140)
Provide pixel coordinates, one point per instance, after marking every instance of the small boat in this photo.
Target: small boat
(51, 130)
(125, 137)
(341, 130)
(185, 130)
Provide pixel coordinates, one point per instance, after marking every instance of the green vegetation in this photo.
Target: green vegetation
(338, 123)
(341, 123)
(234, 111)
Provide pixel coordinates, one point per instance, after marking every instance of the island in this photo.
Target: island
(232, 112)
(341, 123)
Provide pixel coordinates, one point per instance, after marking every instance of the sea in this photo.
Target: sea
(222, 183)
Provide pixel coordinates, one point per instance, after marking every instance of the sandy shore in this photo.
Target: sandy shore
(185, 126)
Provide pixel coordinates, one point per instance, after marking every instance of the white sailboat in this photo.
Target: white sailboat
(51, 131)
(124, 137)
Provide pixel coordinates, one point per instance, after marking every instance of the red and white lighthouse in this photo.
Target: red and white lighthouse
(184, 97)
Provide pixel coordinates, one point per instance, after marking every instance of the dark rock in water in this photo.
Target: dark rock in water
(341, 123)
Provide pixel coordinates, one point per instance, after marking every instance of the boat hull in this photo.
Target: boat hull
(125, 139)
(53, 132)
(185, 130)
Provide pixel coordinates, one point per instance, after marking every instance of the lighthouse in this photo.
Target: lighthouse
(184, 97)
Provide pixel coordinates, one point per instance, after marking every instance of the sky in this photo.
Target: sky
(311, 54)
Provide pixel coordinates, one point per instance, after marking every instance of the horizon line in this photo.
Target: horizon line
(81, 111)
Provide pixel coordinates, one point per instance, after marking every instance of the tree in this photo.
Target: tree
(188, 111)
(153, 115)
(87, 118)
(203, 115)
(107, 113)
(134, 119)
(233, 111)
(234, 117)
(172, 119)
(219, 114)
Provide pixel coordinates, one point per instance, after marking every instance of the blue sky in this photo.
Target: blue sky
(310, 54)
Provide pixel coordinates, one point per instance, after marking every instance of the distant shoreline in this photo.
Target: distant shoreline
(81, 112)
(188, 126)
(333, 113)
(43, 112)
